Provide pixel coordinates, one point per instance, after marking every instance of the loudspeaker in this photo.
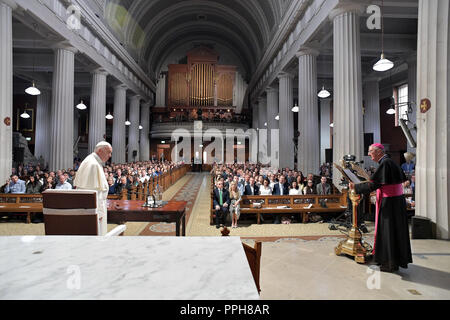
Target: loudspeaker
(134, 153)
(18, 155)
(421, 228)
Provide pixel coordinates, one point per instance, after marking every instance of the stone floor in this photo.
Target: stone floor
(299, 269)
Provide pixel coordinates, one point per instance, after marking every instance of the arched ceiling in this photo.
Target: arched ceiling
(153, 28)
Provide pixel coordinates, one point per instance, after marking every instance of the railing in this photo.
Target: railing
(142, 190)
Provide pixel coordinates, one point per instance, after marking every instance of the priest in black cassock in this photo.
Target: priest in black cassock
(392, 247)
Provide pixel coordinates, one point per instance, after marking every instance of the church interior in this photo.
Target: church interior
(238, 130)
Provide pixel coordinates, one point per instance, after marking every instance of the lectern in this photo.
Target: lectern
(70, 212)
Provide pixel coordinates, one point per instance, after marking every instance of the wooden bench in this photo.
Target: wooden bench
(335, 203)
(29, 204)
(21, 203)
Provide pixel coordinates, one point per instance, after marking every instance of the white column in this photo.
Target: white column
(262, 139)
(371, 115)
(6, 90)
(42, 146)
(308, 116)
(133, 135)
(255, 117)
(119, 128)
(325, 130)
(97, 112)
(144, 144)
(286, 120)
(348, 122)
(61, 115)
(433, 83)
(272, 112)
(412, 97)
(254, 148)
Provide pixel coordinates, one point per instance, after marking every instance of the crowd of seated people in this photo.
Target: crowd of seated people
(35, 180)
(252, 179)
(409, 187)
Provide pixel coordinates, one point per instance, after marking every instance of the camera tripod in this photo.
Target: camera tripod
(345, 220)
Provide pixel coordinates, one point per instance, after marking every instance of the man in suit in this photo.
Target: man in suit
(323, 188)
(251, 189)
(280, 189)
(221, 202)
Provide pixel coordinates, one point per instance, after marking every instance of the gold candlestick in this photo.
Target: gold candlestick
(353, 245)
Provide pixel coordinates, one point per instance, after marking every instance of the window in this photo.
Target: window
(403, 102)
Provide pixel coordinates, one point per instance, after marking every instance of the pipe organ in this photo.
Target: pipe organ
(202, 82)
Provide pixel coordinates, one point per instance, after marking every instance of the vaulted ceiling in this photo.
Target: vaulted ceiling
(152, 29)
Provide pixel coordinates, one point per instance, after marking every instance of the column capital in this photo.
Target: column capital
(271, 90)
(147, 104)
(283, 75)
(136, 97)
(305, 50)
(64, 45)
(261, 99)
(121, 87)
(10, 3)
(345, 6)
(100, 71)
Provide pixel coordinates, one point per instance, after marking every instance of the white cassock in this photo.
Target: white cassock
(90, 176)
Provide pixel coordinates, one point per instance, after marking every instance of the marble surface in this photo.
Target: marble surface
(143, 268)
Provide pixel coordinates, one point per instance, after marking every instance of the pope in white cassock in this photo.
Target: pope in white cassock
(90, 176)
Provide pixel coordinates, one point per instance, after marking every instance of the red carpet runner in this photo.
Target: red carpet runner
(187, 193)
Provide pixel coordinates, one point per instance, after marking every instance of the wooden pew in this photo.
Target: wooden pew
(296, 204)
(29, 204)
(336, 203)
(21, 203)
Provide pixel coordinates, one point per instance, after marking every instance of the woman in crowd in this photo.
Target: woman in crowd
(272, 180)
(235, 207)
(111, 185)
(300, 183)
(260, 181)
(294, 190)
(309, 189)
(48, 184)
(33, 185)
(265, 189)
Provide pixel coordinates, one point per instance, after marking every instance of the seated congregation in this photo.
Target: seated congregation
(283, 194)
(123, 179)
